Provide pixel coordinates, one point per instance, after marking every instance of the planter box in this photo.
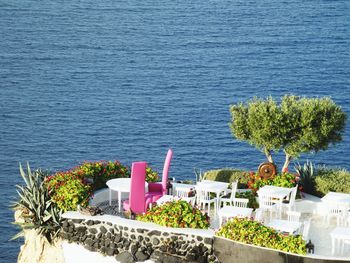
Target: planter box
(228, 251)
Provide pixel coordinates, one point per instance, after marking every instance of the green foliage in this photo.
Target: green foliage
(296, 125)
(248, 195)
(151, 175)
(252, 232)
(179, 214)
(228, 175)
(37, 209)
(100, 172)
(287, 180)
(68, 190)
(332, 179)
(306, 179)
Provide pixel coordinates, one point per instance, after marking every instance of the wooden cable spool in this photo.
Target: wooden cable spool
(267, 170)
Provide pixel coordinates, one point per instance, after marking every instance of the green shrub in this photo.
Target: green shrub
(228, 175)
(100, 172)
(179, 214)
(68, 190)
(332, 179)
(252, 232)
(283, 180)
(37, 209)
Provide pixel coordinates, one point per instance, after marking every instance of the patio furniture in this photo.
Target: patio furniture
(290, 227)
(183, 194)
(157, 190)
(240, 202)
(289, 203)
(233, 211)
(267, 204)
(165, 199)
(293, 216)
(232, 195)
(340, 238)
(259, 215)
(138, 202)
(212, 187)
(120, 185)
(334, 210)
(203, 198)
(276, 194)
(306, 229)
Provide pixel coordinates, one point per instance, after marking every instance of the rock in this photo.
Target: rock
(140, 231)
(208, 241)
(117, 238)
(93, 231)
(103, 230)
(90, 223)
(154, 233)
(125, 257)
(191, 257)
(133, 237)
(108, 235)
(65, 224)
(199, 238)
(133, 249)
(141, 256)
(81, 229)
(77, 221)
(110, 251)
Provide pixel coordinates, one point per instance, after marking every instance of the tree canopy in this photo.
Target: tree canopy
(295, 125)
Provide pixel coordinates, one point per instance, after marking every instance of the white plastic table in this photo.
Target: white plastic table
(120, 185)
(166, 198)
(276, 192)
(214, 187)
(284, 225)
(338, 198)
(233, 211)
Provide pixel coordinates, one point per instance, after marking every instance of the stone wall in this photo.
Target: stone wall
(129, 244)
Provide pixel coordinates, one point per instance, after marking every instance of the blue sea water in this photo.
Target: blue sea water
(126, 80)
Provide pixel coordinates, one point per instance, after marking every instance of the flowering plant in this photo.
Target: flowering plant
(283, 180)
(176, 214)
(252, 232)
(151, 175)
(67, 190)
(100, 172)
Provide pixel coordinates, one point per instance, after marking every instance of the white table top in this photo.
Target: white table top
(212, 186)
(233, 211)
(121, 184)
(341, 232)
(337, 197)
(275, 191)
(183, 186)
(284, 225)
(166, 198)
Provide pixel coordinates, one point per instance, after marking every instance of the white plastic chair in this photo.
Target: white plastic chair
(224, 200)
(293, 216)
(266, 203)
(240, 202)
(203, 199)
(331, 210)
(259, 215)
(306, 230)
(291, 200)
(183, 193)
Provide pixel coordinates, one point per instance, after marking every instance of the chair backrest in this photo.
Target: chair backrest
(202, 194)
(265, 200)
(293, 216)
(181, 192)
(234, 189)
(259, 215)
(293, 195)
(240, 202)
(166, 171)
(306, 230)
(137, 188)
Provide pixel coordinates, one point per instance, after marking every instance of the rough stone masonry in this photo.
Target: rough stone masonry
(128, 244)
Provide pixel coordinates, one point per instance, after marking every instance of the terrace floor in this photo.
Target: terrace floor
(308, 206)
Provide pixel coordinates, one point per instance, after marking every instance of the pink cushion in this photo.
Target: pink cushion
(155, 187)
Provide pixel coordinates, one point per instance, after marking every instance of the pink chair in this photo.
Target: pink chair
(157, 190)
(138, 201)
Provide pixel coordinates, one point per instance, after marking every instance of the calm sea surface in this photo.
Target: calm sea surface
(126, 80)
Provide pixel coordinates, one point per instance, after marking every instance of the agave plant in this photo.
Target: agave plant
(38, 211)
(306, 174)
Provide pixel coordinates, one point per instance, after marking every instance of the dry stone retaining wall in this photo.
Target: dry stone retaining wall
(129, 244)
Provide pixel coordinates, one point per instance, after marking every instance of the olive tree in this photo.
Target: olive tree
(295, 125)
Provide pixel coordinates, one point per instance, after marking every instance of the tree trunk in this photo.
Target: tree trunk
(286, 162)
(268, 155)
